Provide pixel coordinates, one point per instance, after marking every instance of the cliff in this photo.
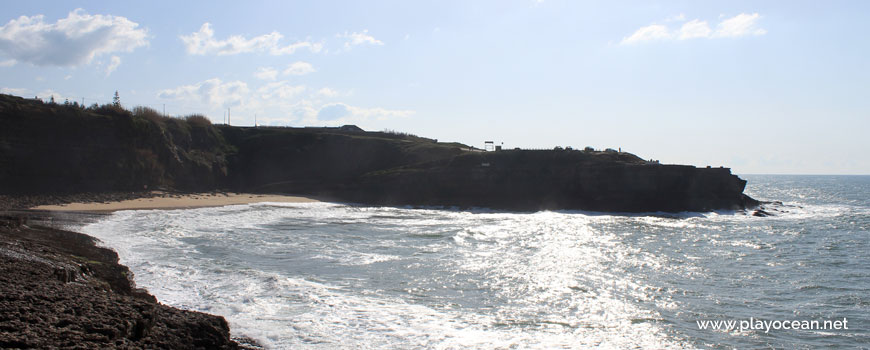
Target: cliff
(47, 148)
(535, 180)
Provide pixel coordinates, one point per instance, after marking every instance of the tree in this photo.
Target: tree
(116, 101)
(51, 100)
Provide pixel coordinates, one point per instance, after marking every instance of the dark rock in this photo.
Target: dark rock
(761, 213)
(58, 290)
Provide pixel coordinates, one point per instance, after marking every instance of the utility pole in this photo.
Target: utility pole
(228, 115)
(164, 109)
(255, 120)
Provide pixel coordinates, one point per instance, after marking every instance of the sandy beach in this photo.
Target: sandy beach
(162, 200)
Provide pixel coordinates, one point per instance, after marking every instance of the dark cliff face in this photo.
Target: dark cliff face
(311, 160)
(50, 148)
(57, 148)
(535, 180)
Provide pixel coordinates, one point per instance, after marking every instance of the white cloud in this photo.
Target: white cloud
(290, 49)
(71, 41)
(113, 64)
(46, 95)
(737, 26)
(345, 113)
(299, 68)
(279, 92)
(7, 63)
(333, 111)
(355, 39)
(14, 91)
(694, 29)
(266, 73)
(327, 92)
(740, 25)
(313, 113)
(274, 103)
(213, 92)
(203, 42)
(676, 18)
(648, 33)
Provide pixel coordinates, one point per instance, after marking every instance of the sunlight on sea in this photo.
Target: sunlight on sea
(321, 275)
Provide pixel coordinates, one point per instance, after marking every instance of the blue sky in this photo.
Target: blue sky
(761, 87)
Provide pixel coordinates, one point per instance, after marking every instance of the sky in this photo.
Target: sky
(762, 87)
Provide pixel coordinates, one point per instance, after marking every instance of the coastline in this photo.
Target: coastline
(163, 200)
(60, 289)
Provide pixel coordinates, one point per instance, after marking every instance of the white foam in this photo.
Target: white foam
(555, 281)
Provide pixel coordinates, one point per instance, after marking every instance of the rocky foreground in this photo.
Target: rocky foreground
(59, 290)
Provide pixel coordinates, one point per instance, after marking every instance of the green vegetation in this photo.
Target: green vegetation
(49, 147)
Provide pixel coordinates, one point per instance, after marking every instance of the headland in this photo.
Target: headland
(50, 149)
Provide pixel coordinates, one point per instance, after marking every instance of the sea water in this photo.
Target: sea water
(324, 275)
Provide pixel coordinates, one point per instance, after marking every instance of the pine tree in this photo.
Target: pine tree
(116, 101)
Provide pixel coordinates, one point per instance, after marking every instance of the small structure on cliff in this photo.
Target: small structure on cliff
(488, 146)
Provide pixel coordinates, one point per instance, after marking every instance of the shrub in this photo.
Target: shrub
(398, 133)
(197, 120)
(108, 109)
(149, 114)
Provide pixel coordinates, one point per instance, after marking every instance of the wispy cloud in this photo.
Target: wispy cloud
(14, 91)
(295, 68)
(694, 29)
(299, 68)
(212, 91)
(279, 91)
(46, 95)
(327, 92)
(676, 18)
(71, 41)
(359, 38)
(740, 25)
(266, 73)
(113, 64)
(737, 26)
(204, 42)
(277, 103)
(346, 113)
(649, 33)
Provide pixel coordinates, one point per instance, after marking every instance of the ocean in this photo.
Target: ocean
(326, 276)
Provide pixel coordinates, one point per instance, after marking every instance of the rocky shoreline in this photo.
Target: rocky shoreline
(59, 290)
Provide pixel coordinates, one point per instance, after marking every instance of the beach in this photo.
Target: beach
(164, 200)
